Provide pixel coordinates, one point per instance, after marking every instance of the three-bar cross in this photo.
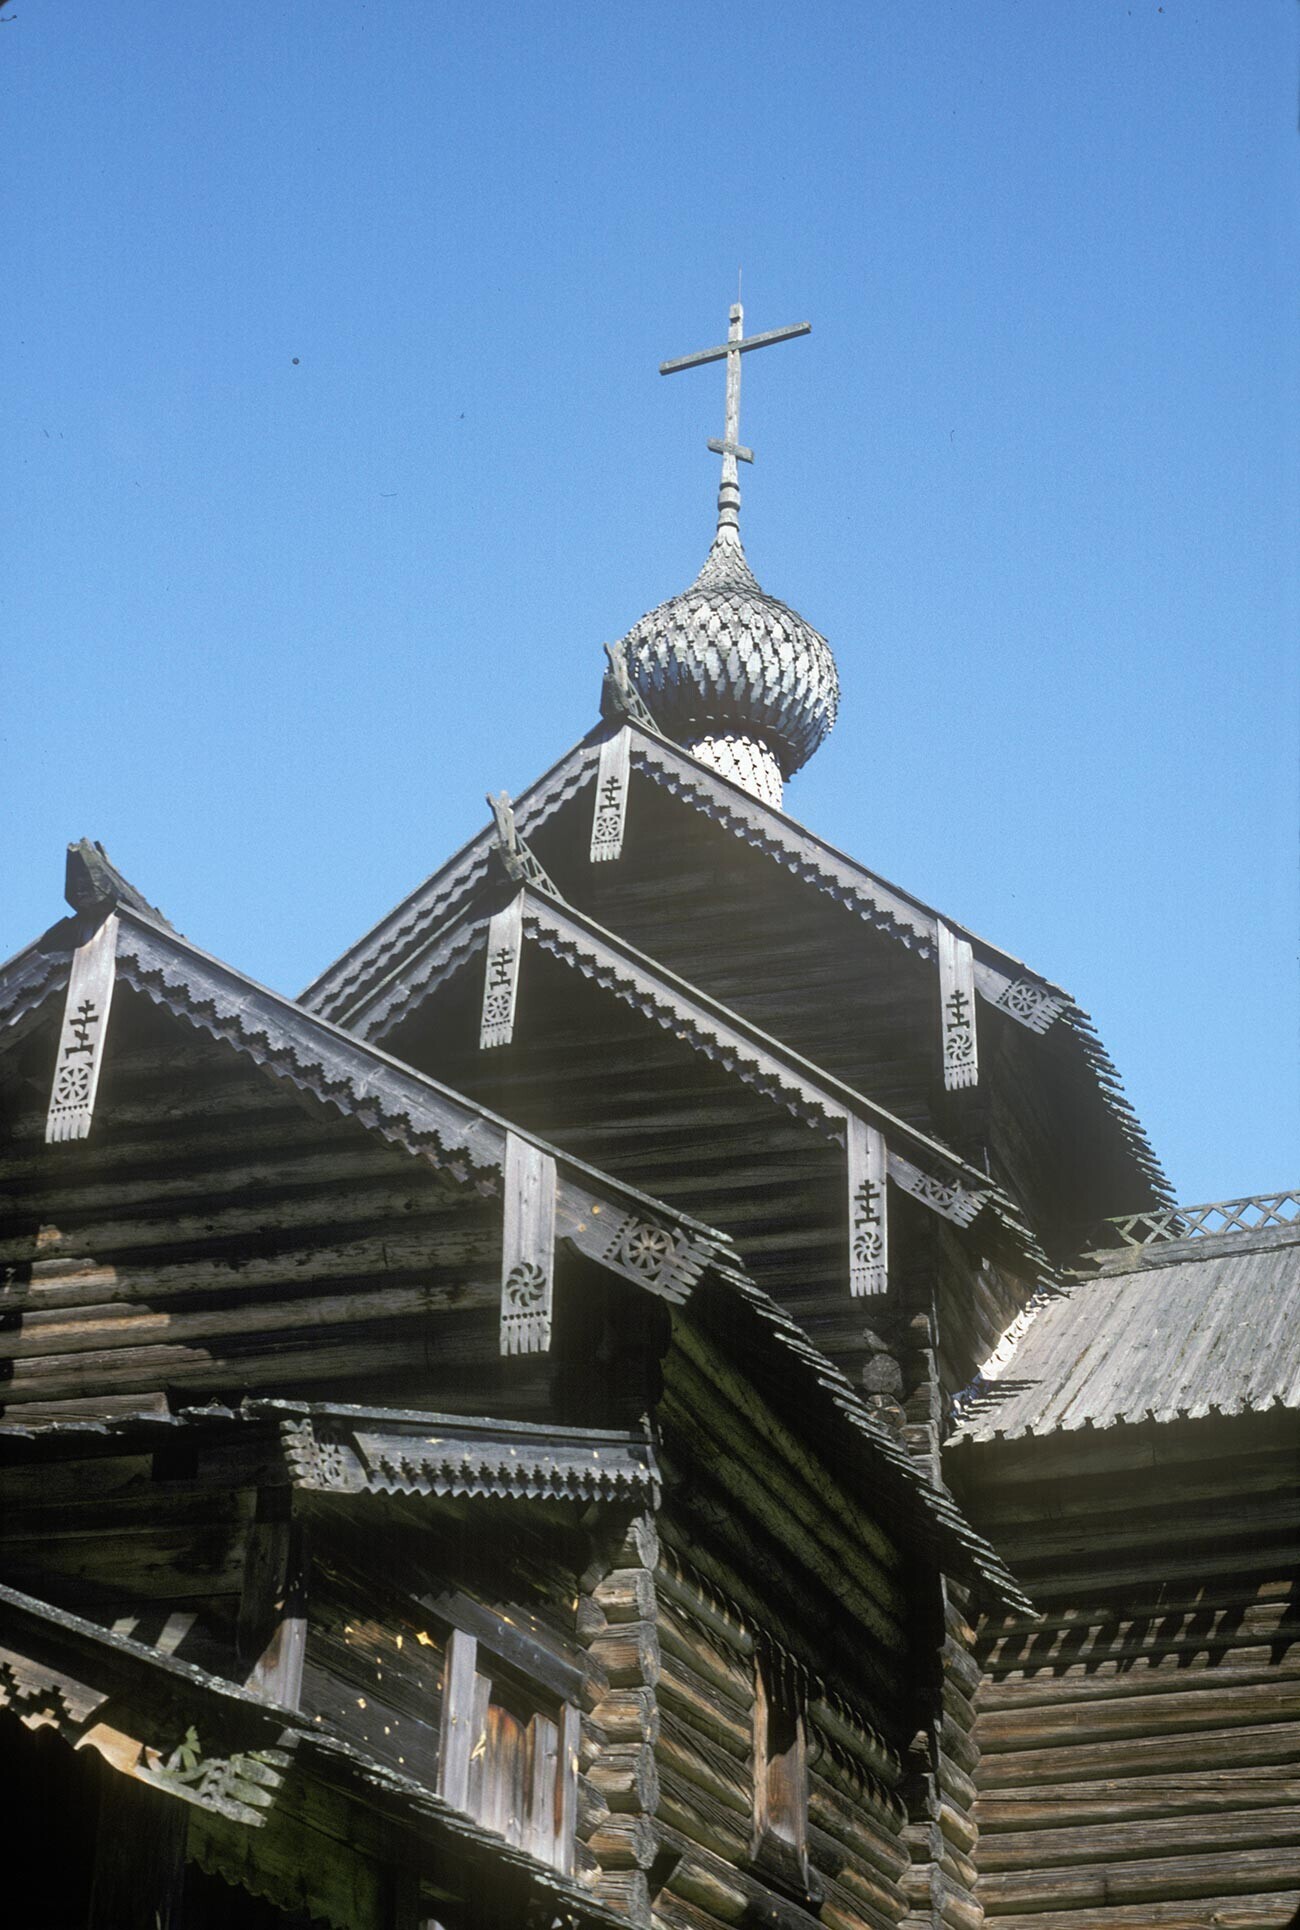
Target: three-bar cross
(731, 448)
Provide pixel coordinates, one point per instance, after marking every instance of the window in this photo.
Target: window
(781, 1776)
(509, 1756)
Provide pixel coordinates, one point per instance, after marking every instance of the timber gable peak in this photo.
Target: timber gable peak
(915, 1162)
(362, 985)
(546, 1196)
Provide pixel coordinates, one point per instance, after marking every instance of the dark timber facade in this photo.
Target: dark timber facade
(667, 1388)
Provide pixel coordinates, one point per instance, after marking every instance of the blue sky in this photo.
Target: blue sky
(335, 448)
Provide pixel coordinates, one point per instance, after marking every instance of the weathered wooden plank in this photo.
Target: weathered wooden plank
(527, 1248)
(1257, 1747)
(1121, 1840)
(1182, 1711)
(1153, 1879)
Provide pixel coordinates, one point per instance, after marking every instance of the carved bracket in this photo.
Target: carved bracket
(511, 849)
(527, 1248)
(610, 814)
(957, 1009)
(868, 1210)
(505, 945)
(81, 1041)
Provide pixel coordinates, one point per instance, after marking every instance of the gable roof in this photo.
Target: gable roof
(466, 1140)
(362, 977)
(918, 1163)
(341, 1071)
(1174, 1331)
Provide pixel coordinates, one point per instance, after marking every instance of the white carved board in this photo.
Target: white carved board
(505, 942)
(527, 1248)
(868, 1163)
(81, 1041)
(957, 1007)
(609, 815)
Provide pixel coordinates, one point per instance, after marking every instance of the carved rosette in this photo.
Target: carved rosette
(1032, 1005)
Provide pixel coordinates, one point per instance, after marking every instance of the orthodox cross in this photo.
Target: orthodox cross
(730, 448)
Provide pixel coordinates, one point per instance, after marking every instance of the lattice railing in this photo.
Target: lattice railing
(1218, 1216)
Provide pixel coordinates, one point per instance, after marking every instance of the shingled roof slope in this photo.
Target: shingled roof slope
(1189, 1334)
(348, 989)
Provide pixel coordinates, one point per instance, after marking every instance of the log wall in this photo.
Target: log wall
(1138, 1742)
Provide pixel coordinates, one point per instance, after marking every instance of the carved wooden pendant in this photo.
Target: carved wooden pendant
(957, 1006)
(501, 976)
(527, 1248)
(81, 1042)
(610, 813)
(868, 1210)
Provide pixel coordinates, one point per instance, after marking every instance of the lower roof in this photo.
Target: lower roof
(1175, 1331)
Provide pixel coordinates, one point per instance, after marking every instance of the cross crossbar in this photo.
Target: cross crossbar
(743, 345)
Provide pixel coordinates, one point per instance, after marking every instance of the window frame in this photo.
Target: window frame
(549, 1737)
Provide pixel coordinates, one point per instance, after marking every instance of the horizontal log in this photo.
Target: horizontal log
(860, 1832)
(629, 1654)
(1254, 1747)
(624, 1843)
(625, 1715)
(626, 1594)
(1178, 1712)
(732, 1683)
(1121, 1841)
(1174, 1676)
(1206, 1792)
(1155, 1879)
(627, 1777)
(720, 1777)
(1273, 1910)
(698, 1706)
(684, 1806)
(218, 1219)
(103, 1329)
(724, 1626)
(863, 1743)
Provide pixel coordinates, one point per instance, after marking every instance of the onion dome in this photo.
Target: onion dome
(738, 678)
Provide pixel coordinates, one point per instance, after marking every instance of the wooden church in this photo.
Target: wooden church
(666, 1388)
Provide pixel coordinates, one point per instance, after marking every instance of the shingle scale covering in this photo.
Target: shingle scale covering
(725, 659)
(1216, 1333)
